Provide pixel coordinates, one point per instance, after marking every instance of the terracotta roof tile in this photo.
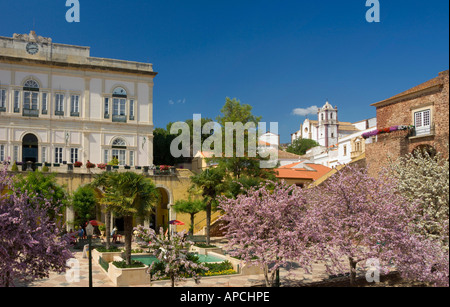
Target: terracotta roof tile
(290, 172)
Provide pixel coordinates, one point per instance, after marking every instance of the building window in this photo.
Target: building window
(44, 103)
(131, 158)
(59, 104)
(31, 98)
(44, 154)
(119, 106)
(119, 151)
(120, 155)
(73, 155)
(31, 85)
(16, 101)
(106, 108)
(131, 109)
(422, 122)
(2, 100)
(119, 143)
(58, 155)
(2, 152)
(75, 105)
(16, 154)
(345, 150)
(106, 156)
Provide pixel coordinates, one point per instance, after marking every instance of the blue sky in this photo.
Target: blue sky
(274, 55)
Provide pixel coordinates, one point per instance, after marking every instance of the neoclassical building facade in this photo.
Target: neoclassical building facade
(60, 105)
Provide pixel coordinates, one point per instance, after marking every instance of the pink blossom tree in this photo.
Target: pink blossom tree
(30, 241)
(356, 217)
(173, 256)
(266, 227)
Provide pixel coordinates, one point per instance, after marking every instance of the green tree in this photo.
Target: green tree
(301, 146)
(45, 187)
(237, 166)
(130, 195)
(212, 183)
(161, 147)
(84, 203)
(233, 111)
(191, 207)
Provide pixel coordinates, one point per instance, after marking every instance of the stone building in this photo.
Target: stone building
(425, 108)
(59, 105)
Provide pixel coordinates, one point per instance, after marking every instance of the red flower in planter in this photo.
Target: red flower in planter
(90, 165)
(101, 165)
(78, 164)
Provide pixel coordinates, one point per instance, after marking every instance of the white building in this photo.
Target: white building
(340, 142)
(58, 104)
(327, 130)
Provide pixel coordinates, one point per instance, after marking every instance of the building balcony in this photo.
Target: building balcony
(422, 132)
(59, 113)
(30, 112)
(119, 118)
(355, 154)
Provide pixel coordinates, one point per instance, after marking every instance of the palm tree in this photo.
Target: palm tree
(191, 207)
(212, 183)
(100, 183)
(130, 195)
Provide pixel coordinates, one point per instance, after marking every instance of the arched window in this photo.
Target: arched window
(119, 143)
(30, 96)
(31, 85)
(120, 92)
(119, 104)
(119, 150)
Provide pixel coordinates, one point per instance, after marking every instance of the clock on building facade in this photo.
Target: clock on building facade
(32, 48)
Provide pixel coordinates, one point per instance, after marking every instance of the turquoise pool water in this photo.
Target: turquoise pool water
(148, 260)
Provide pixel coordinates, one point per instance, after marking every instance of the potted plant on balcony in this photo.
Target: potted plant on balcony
(101, 166)
(127, 167)
(90, 164)
(78, 164)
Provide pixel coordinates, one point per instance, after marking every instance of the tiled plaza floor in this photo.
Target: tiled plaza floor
(100, 279)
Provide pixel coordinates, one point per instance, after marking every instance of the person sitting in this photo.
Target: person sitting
(114, 234)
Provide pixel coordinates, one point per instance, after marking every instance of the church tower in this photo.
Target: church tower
(328, 125)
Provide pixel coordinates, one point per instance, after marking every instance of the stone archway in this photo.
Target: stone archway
(425, 149)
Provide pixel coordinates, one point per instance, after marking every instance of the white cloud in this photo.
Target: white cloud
(305, 111)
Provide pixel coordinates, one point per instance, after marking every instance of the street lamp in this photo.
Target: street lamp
(90, 233)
